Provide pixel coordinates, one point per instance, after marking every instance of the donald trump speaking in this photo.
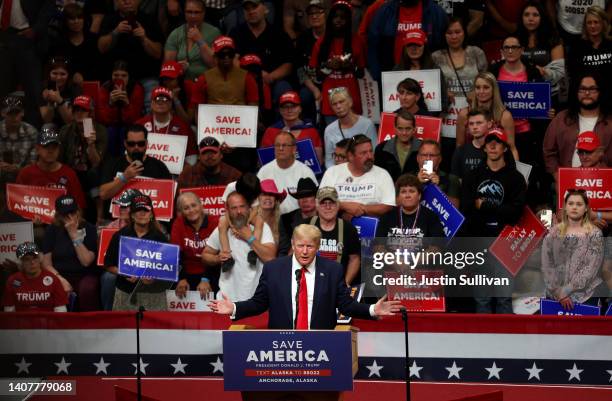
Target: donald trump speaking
(302, 291)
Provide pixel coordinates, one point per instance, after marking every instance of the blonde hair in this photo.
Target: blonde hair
(600, 13)
(340, 91)
(497, 105)
(273, 222)
(586, 219)
(308, 232)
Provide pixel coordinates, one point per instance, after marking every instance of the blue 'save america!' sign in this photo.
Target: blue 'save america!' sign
(287, 360)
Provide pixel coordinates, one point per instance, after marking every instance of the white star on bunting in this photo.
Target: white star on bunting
(23, 366)
(374, 369)
(454, 370)
(534, 372)
(494, 371)
(218, 366)
(179, 366)
(101, 366)
(415, 369)
(574, 373)
(143, 367)
(62, 366)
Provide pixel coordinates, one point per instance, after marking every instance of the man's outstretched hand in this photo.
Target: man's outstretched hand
(223, 306)
(387, 308)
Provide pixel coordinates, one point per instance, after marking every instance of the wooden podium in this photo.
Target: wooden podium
(303, 394)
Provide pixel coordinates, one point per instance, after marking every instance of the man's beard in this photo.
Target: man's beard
(239, 220)
(590, 106)
(367, 166)
(210, 169)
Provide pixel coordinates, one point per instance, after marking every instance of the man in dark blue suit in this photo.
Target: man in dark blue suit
(302, 291)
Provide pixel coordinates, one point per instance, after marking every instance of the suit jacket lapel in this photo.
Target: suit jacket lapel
(287, 278)
(320, 281)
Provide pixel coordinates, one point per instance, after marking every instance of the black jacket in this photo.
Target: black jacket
(385, 156)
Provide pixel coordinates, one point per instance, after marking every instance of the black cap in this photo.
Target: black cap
(305, 188)
(66, 204)
(125, 199)
(48, 136)
(12, 103)
(141, 202)
(27, 248)
(209, 143)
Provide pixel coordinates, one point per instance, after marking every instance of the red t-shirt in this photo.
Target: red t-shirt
(410, 18)
(175, 127)
(65, 177)
(300, 132)
(192, 245)
(42, 293)
(338, 79)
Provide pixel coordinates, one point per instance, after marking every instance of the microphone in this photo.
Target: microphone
(298, 278)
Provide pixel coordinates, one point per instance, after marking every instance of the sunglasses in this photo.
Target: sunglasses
(161, 99)
(226, 54)
(140, 144)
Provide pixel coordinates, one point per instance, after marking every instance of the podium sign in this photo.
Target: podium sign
(262, 360)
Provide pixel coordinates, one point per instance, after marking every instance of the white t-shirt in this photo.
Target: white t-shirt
(374, 187)
(240, 282)
(570, 13)
(584, 124)
(286, 179)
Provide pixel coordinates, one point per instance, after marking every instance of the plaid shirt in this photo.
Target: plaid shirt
(18, 148)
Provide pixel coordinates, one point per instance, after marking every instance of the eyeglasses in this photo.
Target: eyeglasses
(588, 89)
(282, 145)
(339, 156)
(161, 99)
(140, 144)
(511, 48)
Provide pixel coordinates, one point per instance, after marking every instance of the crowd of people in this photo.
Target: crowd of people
(85, 82)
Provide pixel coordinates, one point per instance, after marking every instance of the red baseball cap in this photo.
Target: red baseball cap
(171, 69)
(83, 101)
(161, 91)
(289, 97)
(498, 135)
(588, 141)
(414, 36)
(250, 59)
(223, 42)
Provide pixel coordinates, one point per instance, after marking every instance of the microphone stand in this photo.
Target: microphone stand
(404, 313)
(139, 316)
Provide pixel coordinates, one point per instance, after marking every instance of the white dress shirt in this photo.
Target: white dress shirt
(310, 284)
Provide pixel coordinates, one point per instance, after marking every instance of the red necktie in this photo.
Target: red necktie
(302, 314)
(5, 19)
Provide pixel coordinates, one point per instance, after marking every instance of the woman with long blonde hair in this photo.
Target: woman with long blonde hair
(269, 206)
(488, 98)
(572, 255)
